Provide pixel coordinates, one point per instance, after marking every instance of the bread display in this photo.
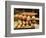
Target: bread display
(26, 20)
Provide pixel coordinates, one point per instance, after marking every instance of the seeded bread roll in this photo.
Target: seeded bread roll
(24, 17)
(20, 16)
(19, 26)
(26, 22)
(28, 18)
(23, 22)
(17, 15)
(33, 16)
(15, 24)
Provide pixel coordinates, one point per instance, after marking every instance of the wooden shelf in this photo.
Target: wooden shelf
(29, 13)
